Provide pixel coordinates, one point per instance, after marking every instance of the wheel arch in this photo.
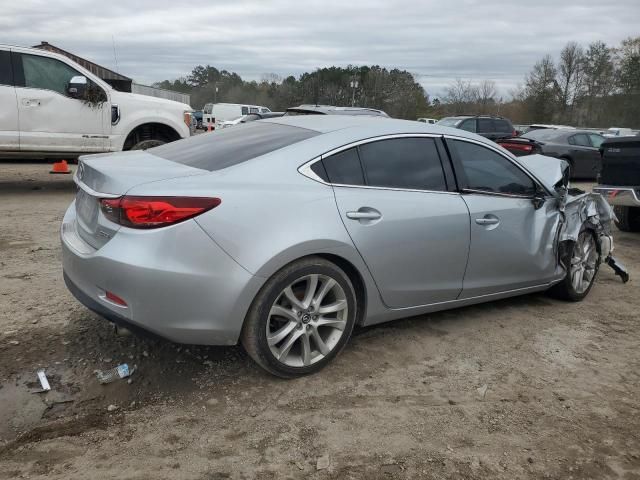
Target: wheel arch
(150, 131)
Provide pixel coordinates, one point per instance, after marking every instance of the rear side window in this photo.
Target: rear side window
(487, 171)
(6, 72)
(502, 126)
(411, 163)
(231, 146)
(343, 168)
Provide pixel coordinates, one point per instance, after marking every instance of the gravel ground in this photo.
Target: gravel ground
(528, 387)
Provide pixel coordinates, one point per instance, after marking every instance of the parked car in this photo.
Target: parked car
(331, 110)
(619, 132)
(580, 148)
(430, 121)
(488, 126)
(53, 107)
(619, 180)
(217, 113)
(250, 118)
(285, 233)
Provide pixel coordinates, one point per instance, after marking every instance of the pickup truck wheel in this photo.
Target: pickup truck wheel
(628, 218)
(145, 144)
(582, 261)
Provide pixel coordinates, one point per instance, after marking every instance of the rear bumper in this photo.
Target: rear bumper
(619, 196)
(177, 283)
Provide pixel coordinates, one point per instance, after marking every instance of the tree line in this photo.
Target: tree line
(595, 85)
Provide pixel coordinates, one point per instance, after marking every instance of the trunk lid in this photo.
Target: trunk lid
(113, 175)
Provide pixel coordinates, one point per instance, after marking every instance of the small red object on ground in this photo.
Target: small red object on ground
(60, 167)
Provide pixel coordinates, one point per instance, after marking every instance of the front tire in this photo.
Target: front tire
(582, 261)
(301, 318)
(628, 218)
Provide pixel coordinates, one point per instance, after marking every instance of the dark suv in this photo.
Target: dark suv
(485, 125)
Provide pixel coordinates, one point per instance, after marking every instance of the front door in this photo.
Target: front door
(9, 133)
(50, 120)
(412, 233)
(512, 241)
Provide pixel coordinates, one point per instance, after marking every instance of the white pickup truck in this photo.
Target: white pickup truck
(51, 107)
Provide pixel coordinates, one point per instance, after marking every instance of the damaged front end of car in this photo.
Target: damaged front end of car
(583, 210)
(578, 210)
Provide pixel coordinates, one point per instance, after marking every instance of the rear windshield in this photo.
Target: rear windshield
(231, 146)
(293, 113)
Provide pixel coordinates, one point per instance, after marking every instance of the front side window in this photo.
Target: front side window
(409, 163)
(469, 125)
(580, 139)
(485, 125)
(487, 171)
(596, 140)
(47, 73)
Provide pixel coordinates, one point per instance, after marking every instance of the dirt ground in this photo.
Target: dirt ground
(528, 387)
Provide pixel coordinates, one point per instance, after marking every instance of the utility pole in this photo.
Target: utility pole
(354, 85)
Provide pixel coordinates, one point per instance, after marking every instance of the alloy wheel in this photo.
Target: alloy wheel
(307, 320)
(584, 262)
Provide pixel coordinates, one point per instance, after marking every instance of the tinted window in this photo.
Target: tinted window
(344, 168)
(469, 125)
(47, 73)
(6, 75)
(580, 139)
(490, 172)
(596, 140)
(245, 110)
(503, 126)
(485, 125)
(403, 163)
(230, 146)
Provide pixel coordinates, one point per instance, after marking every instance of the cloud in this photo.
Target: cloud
(437, 41)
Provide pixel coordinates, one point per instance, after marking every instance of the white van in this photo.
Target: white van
(215, 113)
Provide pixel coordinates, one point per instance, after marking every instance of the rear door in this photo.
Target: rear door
(412, 232)
(50, 120)
(9, 130)
(512, 242)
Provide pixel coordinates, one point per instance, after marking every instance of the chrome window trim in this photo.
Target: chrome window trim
(91, 191)
(508, 157)
(305, 169)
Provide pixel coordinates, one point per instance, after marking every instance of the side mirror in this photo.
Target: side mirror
(538, 198)
(77, 87)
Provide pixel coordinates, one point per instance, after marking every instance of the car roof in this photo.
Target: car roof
(361, 126)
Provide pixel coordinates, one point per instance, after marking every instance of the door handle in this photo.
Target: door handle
(366, 215)
(487, 221)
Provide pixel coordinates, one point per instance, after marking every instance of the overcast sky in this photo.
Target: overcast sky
(437, 41)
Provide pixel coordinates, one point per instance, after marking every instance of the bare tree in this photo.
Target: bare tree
(570, 77)
(486, 95)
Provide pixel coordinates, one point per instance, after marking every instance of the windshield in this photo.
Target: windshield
(449, 121)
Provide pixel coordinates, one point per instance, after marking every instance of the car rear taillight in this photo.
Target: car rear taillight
(154, 212)
(517, 146)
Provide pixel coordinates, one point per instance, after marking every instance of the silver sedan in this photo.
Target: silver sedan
(286, 233)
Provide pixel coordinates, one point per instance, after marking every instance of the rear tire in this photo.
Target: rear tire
(301, 318)
(582, 261)
(628, 218)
